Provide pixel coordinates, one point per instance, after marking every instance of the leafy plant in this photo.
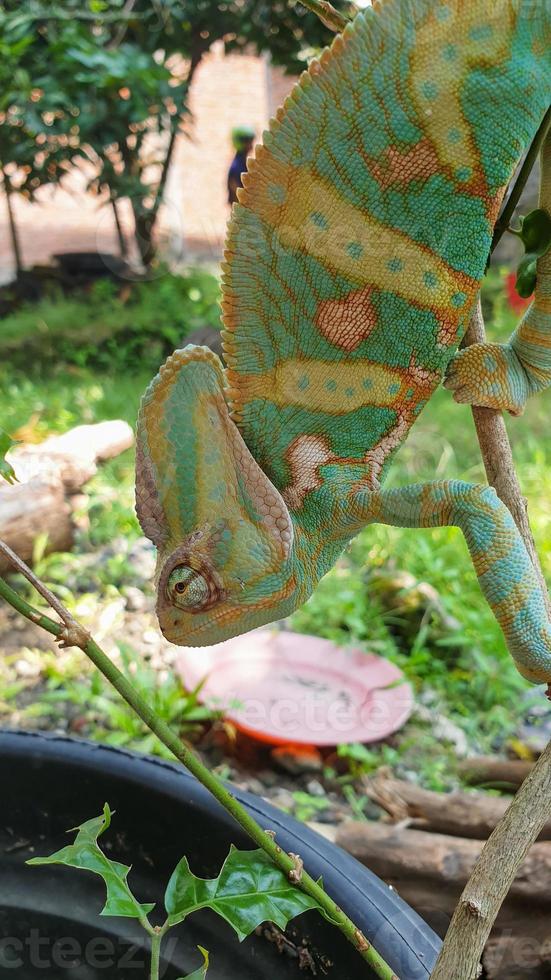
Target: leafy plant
(104, 327)
(248, 891)
(6, 469)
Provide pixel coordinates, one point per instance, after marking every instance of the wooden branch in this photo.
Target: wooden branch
(470, 815)
(531, 808)
(494, 873)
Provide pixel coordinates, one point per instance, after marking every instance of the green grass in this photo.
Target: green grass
(467, 674)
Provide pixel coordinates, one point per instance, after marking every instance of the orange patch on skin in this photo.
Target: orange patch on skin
(419, 162)
(346, 322)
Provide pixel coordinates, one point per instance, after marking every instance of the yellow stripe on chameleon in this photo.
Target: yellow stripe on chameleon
(313, 218)
(323, 386)
(450, 43)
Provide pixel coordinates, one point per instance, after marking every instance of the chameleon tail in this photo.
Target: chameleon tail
(500, 558)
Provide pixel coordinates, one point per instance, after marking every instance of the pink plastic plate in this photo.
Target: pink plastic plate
(283, 687)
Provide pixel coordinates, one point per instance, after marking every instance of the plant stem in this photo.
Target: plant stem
(502, 223)
(75, 635)
(156, 940)
(332, 19)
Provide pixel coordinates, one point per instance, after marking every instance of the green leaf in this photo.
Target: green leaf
(6, 470)
(201, 973)
(248, 891)
(526, 275)
(535, 231)
(86, 854)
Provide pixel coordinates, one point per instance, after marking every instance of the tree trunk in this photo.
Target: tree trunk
(123, 246)
(14, 234)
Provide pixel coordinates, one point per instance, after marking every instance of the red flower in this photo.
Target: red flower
(516, 302)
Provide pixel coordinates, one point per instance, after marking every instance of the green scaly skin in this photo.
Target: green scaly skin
(353, 260)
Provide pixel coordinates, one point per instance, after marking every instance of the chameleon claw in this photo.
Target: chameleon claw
(295, 874)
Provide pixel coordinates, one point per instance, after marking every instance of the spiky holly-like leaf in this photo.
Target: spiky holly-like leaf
(87, 855)
(248, 891)
(201, 973)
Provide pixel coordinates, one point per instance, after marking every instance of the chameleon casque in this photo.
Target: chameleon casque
(353, 260)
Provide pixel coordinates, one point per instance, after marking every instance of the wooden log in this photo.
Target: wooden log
(472, 815)
(490, 770)
(50, 474)
(72, 458)
(30, 509)
(396, 854)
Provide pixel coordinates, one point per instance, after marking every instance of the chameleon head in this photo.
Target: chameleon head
(223, 532)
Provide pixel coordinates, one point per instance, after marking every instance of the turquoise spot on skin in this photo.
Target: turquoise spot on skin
(277, 193)
(319, 220)
(429, 90)
(367, 383)
(218, 492)
(393, 389)
(303, 382)
(330, 385)
(443, 13)
(449, 53)
(481, 33)
(349, 392)
(454, 136)
(420, 405)
(458, 299)
(395, 265)
(355, 250)
(490, 363)
(410, 393)
(463, 174)
(438, 493)
(430, 280)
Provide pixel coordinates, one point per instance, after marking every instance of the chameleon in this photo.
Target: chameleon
(353, 259)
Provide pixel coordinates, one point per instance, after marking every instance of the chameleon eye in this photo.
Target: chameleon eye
(191, 590)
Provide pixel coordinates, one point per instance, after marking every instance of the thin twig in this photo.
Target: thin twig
(42, 589)
(73, 633)
(332, 19)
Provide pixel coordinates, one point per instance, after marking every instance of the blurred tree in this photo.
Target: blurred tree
(115, 76)
(28, 158)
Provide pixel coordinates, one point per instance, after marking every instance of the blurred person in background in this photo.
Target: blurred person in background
(242, 139)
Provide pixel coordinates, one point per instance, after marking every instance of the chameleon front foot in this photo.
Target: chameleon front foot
(488, 375)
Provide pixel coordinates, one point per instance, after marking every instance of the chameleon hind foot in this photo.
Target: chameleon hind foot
(489, 375)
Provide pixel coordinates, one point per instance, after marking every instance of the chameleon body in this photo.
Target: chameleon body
(352, 263)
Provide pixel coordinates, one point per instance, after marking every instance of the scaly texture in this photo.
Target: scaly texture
(353, 259)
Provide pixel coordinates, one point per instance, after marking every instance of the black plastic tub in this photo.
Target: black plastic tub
(49, 924)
